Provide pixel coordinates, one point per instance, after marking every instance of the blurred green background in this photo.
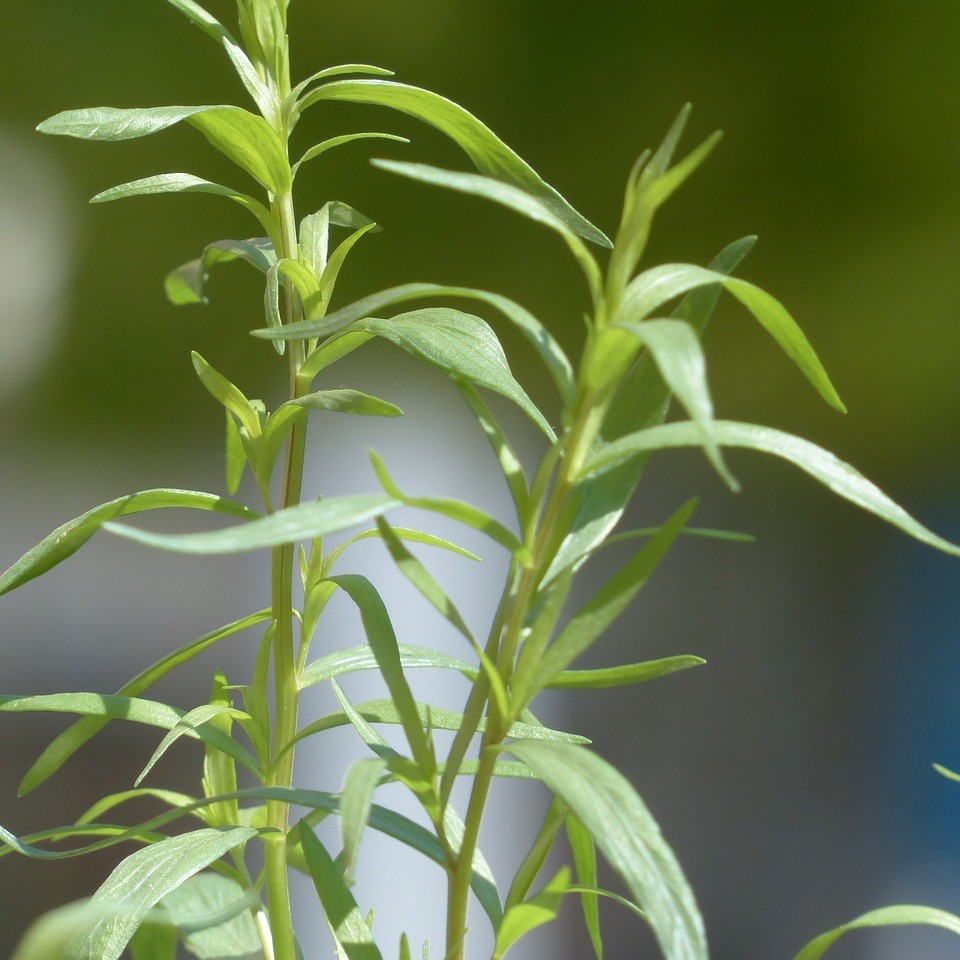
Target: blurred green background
(842, 152)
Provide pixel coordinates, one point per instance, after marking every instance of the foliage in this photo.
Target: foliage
(643, 349)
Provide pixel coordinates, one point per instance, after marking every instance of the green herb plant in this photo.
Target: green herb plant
(204, 888)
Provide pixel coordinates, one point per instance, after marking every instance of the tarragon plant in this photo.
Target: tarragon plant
(222, 889)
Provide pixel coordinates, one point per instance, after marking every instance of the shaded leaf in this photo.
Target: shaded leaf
(356, 801)
(538, 910)
(359, 658)
(623, 675)
(188, 283)
(584, 853)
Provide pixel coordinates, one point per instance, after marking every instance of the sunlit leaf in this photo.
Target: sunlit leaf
(622, 676)
(141, 880)
(360, 658)
(487, 151)
(610, 809)
(68, 538)
(114, 123)
(838, 476)
(535, 332)
(333, 142)
(538, 910)
(356, 801)
(303, 522)
(75, 736)
(885, 917)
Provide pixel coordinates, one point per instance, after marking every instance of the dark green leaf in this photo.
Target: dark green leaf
(341, 910)
(610, 809)
(154, 942)
(68, 538)
(490, 154)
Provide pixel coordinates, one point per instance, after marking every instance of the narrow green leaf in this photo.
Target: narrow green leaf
(236, 456)
(356, 801)
(315, 231)
(227, 393)
(75, 736)
(385, 711)
(324, 146)
(347, 401)
(660, 284)
(271, 302)
(506, 195)
(404, 533)
(622, 676)
(188, 283)
(331, 271)
(460, 344)
(520, 919)
(241, 62)
(341, 910)
(536, 857)
(898, 916)
(584, 854)
(154, 942)
(454, 509)
(302, 522)
(823, 466)
(68, 538)
(642, 401)
(134, 709)
(487, 151)
(510, 464)
(676, 350)
(144, 878)
(338, 71)
(383, 643)
(189, 721)
(360, 658)
(532, 329)
(610, 809)
(593, 618)
(105, 804)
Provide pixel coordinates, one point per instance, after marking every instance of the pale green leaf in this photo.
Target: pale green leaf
(170, 797)
(593, 618)
(249, 141)
(905, 915)
(332, 143)
(610, 809)
(115, 123)
(823, 466)
(532, 329)
(144, 878)
(230, 395)
(360, 658)
(303, 522)
(584, 853)
(622, 676)
(538, 910)
(656, 286)
(356, 801)
(487, 151)
(347, 401)
(460, 344)
(75, 736)
(68, 538)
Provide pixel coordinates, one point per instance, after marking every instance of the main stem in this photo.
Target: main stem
(543, 533)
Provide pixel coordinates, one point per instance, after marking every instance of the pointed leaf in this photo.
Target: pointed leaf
(460, 344)
(885, 917)
(360, 658)
(68, 538)
(303, 522)
(490, 154)
(115, 123)
(356, 801)
(321, 148)
(660, 284)
(610, 809)
(593, 618)
(144, 878)
(622, 676)
(341, 910)
(347, 401)
(538, 910)
(75, 736)
(539, 337)
(187, 284)
(584, 853)
(838, 476)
